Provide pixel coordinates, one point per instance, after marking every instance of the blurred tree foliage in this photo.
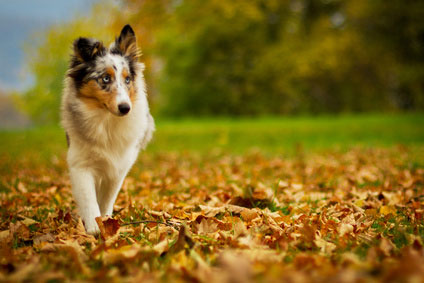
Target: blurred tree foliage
(47, 59)
(255, 57)
(283, 57)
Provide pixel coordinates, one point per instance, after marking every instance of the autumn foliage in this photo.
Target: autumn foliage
(354, 216)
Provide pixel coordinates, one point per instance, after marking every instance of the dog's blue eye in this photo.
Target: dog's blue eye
(106, 79)
(127, 80)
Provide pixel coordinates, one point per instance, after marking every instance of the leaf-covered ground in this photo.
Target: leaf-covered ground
(332, 216)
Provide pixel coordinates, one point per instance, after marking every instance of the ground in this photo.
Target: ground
(297, 199)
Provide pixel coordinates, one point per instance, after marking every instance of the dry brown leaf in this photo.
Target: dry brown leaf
(249, 214)
(20, 230)
(235, 209)
(345, 229)
(326, 205)
(73, 249)
(209, 211)
(262, 192)
(122, 254)
(43, 238)
(326, 247)
(4, 235)
(239, 227)
(207, 226)
(108, 226)
(161, 247)
(27, 221)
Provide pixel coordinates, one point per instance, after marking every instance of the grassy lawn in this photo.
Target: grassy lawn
(283, 134)
(269, 135)
(328, 199)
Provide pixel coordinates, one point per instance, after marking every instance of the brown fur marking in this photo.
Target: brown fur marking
(110, 72)
(95, 97)
(131, 90)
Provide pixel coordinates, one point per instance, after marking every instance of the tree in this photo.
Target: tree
(283, 57)
(47, 60)
(256, 57)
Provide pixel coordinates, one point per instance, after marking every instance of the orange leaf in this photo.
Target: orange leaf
(108, 226)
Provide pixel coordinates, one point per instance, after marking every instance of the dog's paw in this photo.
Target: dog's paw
(92, 228)
(93, 231)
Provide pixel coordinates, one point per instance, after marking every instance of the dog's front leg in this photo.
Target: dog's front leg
(84, 191)
(107, 195)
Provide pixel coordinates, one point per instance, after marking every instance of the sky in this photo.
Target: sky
(21, 18)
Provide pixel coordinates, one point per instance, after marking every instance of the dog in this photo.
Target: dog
(106, 117)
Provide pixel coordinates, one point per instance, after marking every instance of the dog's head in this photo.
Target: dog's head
(105, 77)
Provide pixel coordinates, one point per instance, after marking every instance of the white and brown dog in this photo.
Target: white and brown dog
(106, 117)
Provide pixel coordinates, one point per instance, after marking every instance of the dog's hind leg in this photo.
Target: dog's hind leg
(84, 192)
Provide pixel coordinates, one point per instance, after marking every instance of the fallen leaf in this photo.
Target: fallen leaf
(249, 214)
(43, 238)
(345, 229)
(108, 226)
(207, 226)
(385, 210)
(326, 247)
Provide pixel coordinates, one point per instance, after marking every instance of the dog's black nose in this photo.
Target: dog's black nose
(124, 108)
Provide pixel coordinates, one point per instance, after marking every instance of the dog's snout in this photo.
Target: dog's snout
(124, 108)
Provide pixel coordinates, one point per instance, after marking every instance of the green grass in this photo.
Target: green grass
(270, 135)
(283, 134)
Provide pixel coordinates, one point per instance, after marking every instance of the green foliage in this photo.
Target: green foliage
(253, 57)
(287, 57)
(47, 56)
(396, 32)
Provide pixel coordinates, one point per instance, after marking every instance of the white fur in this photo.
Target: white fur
(120, 64)
(103, 147)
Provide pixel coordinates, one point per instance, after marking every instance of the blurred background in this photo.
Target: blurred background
(224, 58)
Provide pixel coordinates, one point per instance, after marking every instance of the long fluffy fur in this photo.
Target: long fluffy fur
(102, 145)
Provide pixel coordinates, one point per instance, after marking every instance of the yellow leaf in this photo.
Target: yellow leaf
(359, 203)
(28, 221)
(386, 209)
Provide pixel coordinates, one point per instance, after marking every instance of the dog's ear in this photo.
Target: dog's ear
(126, 43)
(86, 49)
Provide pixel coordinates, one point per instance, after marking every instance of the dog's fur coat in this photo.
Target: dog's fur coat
(106, 117)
